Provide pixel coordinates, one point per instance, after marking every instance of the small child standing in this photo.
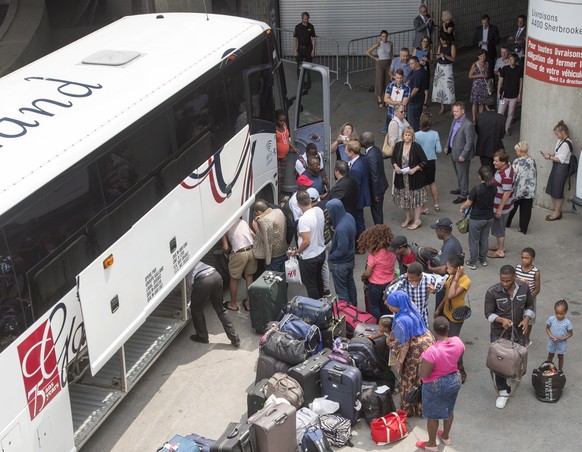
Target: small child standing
(529, 273)
(559, 330)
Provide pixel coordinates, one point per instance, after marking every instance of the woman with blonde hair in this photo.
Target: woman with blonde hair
(525, 186)
(409, 161)
(347, 132)
(447, 24)
(560, 168)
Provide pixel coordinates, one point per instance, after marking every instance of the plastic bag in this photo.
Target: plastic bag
(292, 270)
(322, 405)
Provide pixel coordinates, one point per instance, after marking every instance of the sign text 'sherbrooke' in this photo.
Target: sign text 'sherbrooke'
(15, 125)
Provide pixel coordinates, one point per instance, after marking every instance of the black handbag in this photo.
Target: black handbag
(284, 347)
(414, 396)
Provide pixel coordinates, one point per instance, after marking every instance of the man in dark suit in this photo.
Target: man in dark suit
(377, 176)
(486, 37)
(423, 25)
(518, 37)
(345, 188)
(490, 129)
(359, 171)
(460, 145)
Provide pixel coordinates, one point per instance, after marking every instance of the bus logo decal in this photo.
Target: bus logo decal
(221, 190)
(14, 128)
(38, 363)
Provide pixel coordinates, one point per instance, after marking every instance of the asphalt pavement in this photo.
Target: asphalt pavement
(200, 388)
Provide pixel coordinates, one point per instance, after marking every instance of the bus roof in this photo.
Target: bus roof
(58, 109)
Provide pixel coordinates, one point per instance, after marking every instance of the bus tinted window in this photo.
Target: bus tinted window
(202, 111)
(15, 310)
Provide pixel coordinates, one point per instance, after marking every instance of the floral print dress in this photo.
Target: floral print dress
(525, 177)
(479, 88)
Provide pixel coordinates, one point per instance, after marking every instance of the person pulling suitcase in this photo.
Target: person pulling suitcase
(206, 283)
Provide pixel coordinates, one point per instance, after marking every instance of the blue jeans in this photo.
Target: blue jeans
(277, 264)
(375, 302)
(343, 281)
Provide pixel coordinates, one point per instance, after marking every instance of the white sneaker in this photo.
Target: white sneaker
(502, 399)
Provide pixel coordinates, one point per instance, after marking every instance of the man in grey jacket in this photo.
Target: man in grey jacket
(460, 145)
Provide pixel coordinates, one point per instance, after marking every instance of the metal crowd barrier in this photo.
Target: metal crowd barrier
(326, 51)
(358, 61)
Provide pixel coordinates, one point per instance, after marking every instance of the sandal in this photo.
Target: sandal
(437, 208)
(246, 304)
(446, 442)
(424, 211)
(405, 223)
(415, 225)
(422, 445)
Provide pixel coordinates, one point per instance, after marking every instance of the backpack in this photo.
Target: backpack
(299, 329)
(315, 440)
(337, 429)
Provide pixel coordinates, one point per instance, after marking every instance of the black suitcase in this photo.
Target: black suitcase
(256, 397)
(267, 296)
(236, 438)
(336, 329)
(267, 366)
(343, 384)
(307, 375)
(363, 352)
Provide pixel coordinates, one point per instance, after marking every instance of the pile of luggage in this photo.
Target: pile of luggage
(321, 367)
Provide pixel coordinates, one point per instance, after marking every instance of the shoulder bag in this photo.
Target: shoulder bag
(462, 224)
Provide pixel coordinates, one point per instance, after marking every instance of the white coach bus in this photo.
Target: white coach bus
(124, 157)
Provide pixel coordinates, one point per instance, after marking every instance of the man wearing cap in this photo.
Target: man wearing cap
(345, 188)
(206, 283)
(406, 253)
(311, 249)
(303, 183)
(450, 247)
(359, 171)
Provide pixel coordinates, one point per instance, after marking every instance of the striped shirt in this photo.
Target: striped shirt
(528, 277)
(503, 181)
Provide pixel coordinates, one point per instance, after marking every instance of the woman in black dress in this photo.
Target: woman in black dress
(560, 169)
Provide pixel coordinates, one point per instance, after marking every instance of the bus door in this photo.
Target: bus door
(311, 122)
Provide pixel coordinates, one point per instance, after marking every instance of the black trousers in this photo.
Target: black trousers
(488, 161)
(376, 209)
(304, 54)
(209, 286)
(311, 275)
(524, 206)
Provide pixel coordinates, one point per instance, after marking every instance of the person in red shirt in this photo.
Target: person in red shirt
(283, 146)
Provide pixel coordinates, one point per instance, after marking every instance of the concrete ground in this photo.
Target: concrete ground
(200, 388)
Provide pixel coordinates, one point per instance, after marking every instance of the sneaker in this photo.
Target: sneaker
(236, 342)
(502, 399)
(483, 263)
(470, 265)
(384, 129)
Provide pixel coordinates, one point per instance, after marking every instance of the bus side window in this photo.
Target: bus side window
(15, 310)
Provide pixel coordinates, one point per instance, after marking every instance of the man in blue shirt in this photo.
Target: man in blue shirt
(418, 85)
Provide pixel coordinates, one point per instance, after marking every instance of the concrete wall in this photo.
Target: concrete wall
(24, 35)
(467, 15)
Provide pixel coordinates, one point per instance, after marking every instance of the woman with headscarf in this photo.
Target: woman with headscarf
(409, 339)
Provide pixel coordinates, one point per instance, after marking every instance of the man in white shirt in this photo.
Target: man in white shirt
(311, 249)
(239, 239)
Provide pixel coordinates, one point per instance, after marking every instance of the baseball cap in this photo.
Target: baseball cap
(313, 194)
(443, 223)
(304, 181)
(398, 242)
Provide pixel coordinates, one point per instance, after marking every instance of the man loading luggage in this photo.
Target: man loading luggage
(206, 283)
